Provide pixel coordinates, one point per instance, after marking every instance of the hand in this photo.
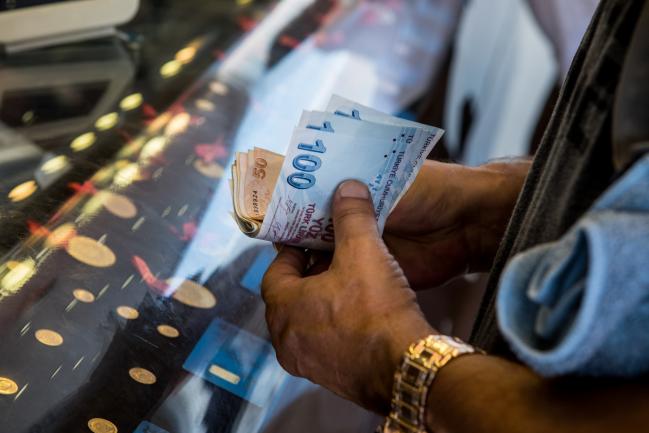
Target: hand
(452, 219)
(345, 321)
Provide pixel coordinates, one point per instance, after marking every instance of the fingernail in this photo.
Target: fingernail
(353, 189)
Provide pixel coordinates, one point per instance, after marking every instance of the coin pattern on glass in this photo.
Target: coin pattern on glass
(48, 337)
(209, 169)
(61, 235)
(8, 386)
(118, 205)
(128, 313)
(142, 375)
(100, 425)
(91, 252)
(83, 295)
(191, 293)
(168, 331)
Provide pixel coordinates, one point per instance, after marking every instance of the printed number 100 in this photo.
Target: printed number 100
(306, 164)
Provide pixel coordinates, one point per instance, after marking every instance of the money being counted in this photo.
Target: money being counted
(287, 199)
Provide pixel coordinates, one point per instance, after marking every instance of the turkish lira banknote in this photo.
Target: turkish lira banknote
(287, 199)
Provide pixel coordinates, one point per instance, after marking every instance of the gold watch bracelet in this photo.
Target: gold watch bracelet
(413, 378)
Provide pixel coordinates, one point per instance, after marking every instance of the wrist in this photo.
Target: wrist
(399, 335)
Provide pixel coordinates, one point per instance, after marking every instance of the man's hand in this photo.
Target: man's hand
(344, 322)
(452, 219)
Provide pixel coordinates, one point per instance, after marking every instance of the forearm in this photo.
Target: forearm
(476, 394)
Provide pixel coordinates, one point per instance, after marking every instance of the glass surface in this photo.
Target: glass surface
(36, 106)
(129, 300)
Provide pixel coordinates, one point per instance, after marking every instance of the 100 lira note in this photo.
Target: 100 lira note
(349, 141)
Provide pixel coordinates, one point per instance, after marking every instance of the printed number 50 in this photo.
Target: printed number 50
(306, 164)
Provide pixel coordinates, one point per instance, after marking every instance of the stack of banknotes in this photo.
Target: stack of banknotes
(287, 198)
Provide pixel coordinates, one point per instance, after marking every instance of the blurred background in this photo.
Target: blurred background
(119, 121)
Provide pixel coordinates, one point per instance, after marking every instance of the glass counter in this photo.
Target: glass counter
(129, 300)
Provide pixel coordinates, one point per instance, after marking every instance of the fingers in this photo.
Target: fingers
(288, 266)
(353, 214)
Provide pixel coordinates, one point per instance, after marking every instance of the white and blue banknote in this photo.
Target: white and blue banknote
(348, 141)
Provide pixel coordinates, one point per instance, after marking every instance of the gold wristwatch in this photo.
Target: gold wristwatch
(420, 365)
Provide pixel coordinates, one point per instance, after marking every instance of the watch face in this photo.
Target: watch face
(17, 4)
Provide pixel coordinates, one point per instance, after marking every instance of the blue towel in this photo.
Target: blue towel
(581, 305)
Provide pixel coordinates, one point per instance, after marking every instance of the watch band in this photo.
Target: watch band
(412, 380)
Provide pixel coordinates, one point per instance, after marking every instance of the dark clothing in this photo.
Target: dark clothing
(574, 164)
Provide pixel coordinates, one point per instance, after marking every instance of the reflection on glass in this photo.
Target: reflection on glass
(178, 124)
(61, 235)
(131, 102)
(22, 191)
(186, 55)
(83, 142)
(19, 273)
(107, 121)
(55, 164)
(159, 123)
(153, 148)
(171, 68)
(224, 374)
(219, 88)
(205, 105)
(127, 175)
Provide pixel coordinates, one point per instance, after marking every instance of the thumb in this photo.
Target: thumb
(353, 215)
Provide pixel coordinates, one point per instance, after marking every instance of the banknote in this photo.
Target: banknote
(291, 202)
(254, 175)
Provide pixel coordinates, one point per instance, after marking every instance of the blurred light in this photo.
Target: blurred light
(171, 68)
(186, 55)
(127, 175)
(12, 264)
(178, 124)
(92, 206)
(243, 2)
(219, 88)
(159, 122)
(107, 121)
(131, 102)
(153, 148)
(22, 191)
(205, 105)
(61, 235)
(55, 164)
(28, 117)
(17, 276)
(132, 148)
(83, 142)
(103, 174)
(119, 164)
